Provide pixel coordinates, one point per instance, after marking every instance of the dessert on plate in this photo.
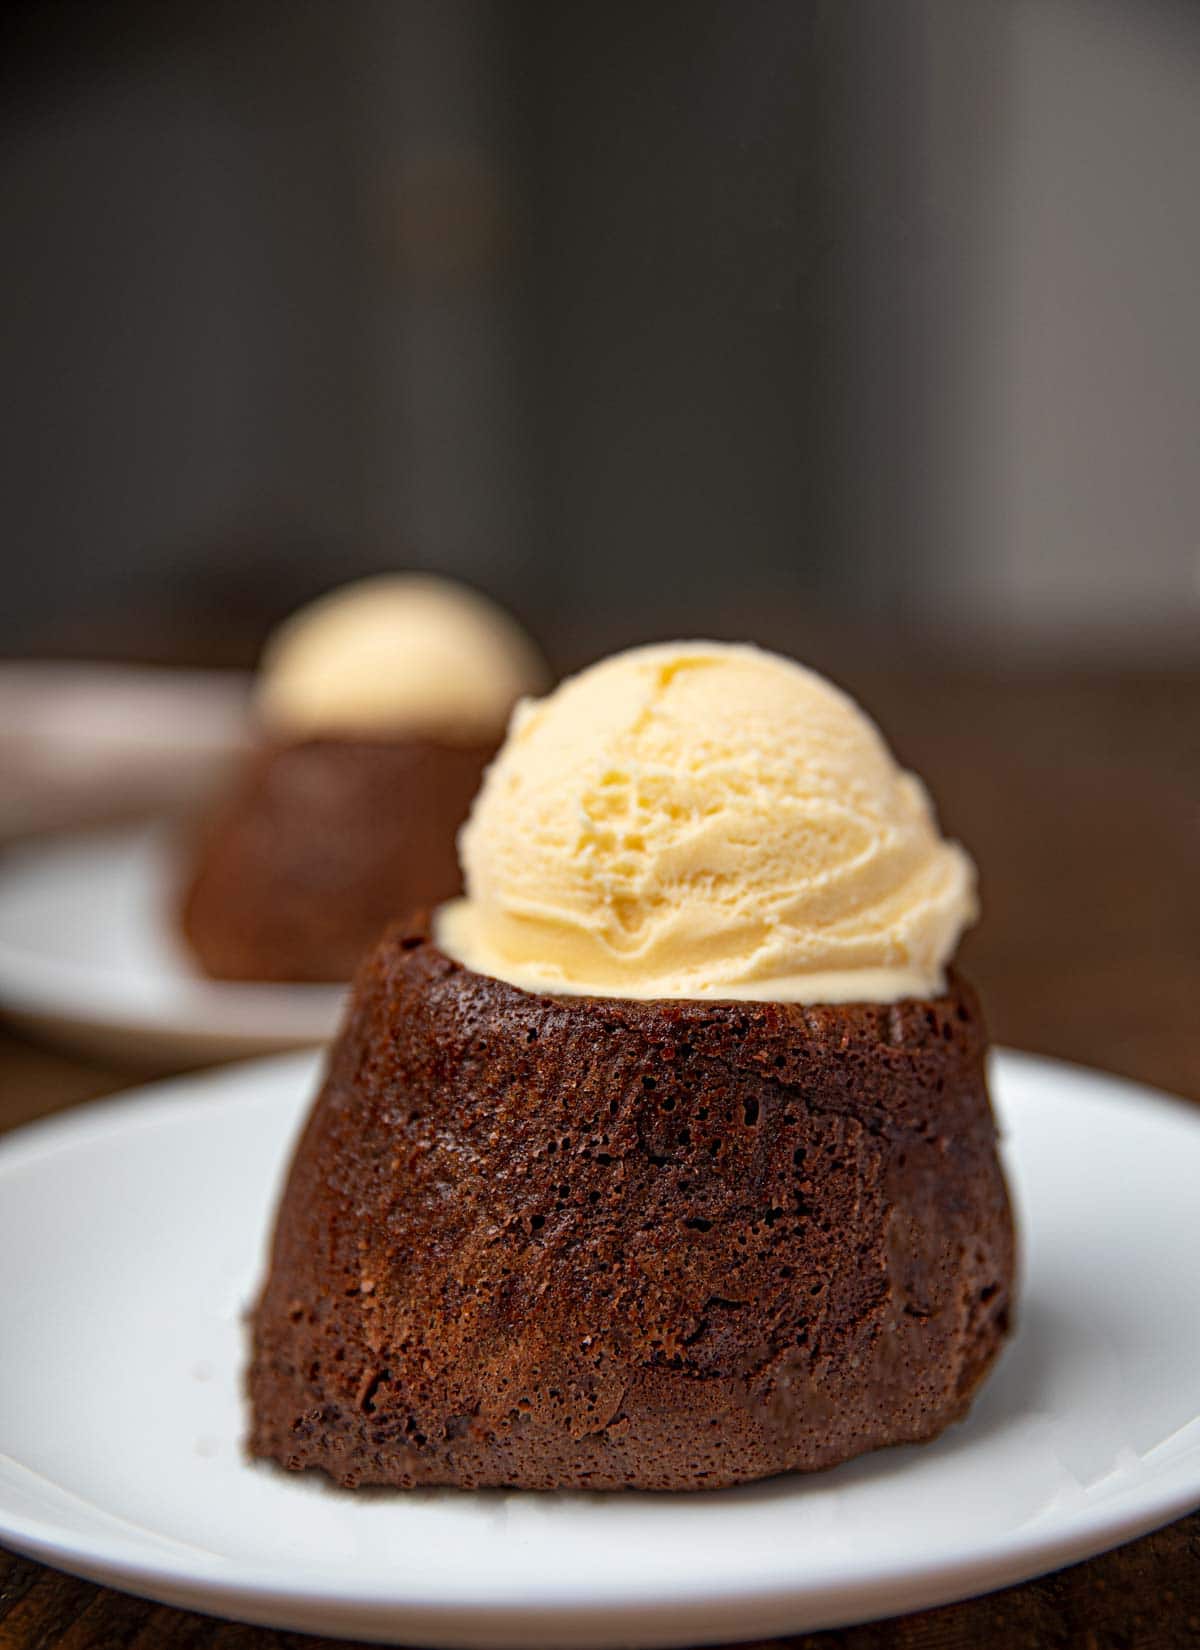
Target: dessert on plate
(378, 708)
(664, 1158)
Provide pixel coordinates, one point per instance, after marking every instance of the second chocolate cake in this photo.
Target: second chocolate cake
(377, 710)
(317, 843)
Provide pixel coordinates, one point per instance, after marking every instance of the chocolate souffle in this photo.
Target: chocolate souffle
(379, 709)
(320, 840)
(678, 1235)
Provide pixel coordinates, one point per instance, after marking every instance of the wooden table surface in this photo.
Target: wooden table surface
(1079, 794)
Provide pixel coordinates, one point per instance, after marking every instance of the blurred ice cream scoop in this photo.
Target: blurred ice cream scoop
(402, 653)
(704, 820)
(82, 743)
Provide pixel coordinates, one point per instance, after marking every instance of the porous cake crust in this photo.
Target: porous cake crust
(569, 1242)
(322, 843)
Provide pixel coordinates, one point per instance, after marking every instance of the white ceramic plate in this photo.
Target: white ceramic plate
(130, 1241)
(88, 955)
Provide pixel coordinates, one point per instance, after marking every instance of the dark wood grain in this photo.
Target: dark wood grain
(1079, 794)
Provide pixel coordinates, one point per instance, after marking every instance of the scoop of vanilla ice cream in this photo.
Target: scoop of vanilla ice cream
(705, 820)
(400, 653)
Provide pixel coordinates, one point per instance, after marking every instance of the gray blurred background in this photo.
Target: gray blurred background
(763, 318)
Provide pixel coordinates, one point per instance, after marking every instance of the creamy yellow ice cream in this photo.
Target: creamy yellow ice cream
(402, 653)
(703, 820)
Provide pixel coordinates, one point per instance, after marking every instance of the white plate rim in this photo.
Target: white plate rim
(57, 992)
(661, 1613)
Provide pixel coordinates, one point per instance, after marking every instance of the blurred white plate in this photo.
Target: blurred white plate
(84, 744)
(132, 1233)
(89, 956)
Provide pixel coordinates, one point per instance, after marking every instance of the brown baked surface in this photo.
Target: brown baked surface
(578, 1242)
(321, 844)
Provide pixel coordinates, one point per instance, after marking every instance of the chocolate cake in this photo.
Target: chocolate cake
(322, 843)
(581, 1242)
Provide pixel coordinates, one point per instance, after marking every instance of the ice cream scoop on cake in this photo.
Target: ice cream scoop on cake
(403, 652)
(700, 820)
